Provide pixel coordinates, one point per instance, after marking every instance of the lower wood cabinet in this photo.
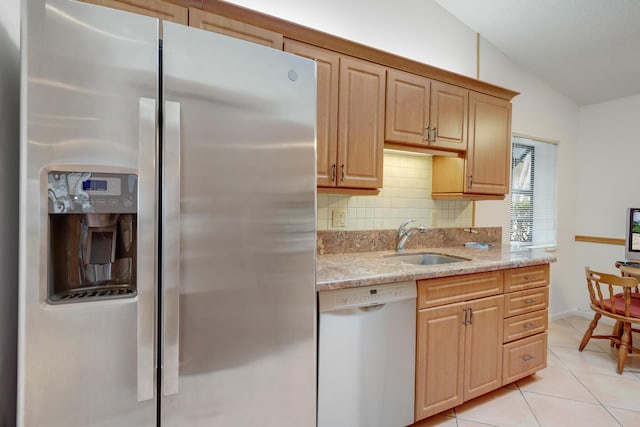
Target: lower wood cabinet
(476, 334)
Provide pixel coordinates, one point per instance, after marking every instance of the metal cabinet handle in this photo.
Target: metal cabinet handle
(529, 325)
(529, 277)
(427, 134)
(342, 173)
(527, 358)
(146, 274)
(468, 316)
(333, 172)
(470, 181)
(529, 301)
(434, 139)
(171, 249)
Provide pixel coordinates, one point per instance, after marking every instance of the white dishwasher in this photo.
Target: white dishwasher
(366, 356)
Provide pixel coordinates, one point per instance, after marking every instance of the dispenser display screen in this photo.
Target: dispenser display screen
(102, 186)
(94, 185)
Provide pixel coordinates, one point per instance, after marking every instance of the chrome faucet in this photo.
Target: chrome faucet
(403, 233)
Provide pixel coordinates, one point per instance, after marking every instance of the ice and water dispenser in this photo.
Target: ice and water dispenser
(92, 236)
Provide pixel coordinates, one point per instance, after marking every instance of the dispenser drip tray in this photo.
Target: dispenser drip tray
(94, 293)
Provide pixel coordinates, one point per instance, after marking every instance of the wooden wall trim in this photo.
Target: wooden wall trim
(347, 47)
(605, 240)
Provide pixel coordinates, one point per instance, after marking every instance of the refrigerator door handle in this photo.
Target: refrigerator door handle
(146, 275)
(171, 249)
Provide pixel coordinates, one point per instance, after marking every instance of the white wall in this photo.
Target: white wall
(416, 29)
(9, 148)
(607, 180)
(424, 31)
(541, 112)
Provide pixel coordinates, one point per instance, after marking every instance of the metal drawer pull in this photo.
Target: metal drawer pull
(529, 277)
(529, 301)
(470, 316)
(465, 317)
(333, 173)
(527, 358)
(426, 134)
(529, 325)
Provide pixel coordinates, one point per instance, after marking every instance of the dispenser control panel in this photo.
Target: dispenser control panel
(91, 192)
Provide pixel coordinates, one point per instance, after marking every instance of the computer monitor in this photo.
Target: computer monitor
(632, 237)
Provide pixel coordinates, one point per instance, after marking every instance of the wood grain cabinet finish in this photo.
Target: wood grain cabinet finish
(447, 290)
(519, 279)
(460, 328)
(522, 302)
(459, 354)
(477, 332)
(328, 71)
(360, 123)
(484, 172)
(350, 118)
(155, 8)
(230, 27)
(525, 321)
(425, 113)
(524, 357)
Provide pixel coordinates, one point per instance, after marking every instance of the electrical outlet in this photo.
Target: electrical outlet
(338, 218)
(434, 218)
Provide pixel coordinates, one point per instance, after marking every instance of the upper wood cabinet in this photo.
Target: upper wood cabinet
(350, 118)
(484, 172)
(219, 24)
(360, 123)
(426, 113)
(156, 8)
(328, 70)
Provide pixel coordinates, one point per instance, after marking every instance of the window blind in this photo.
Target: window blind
(533, 192)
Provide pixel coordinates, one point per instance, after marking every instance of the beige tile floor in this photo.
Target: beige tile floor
(576, 389)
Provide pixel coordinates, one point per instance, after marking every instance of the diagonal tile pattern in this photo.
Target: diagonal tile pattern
(576, 389)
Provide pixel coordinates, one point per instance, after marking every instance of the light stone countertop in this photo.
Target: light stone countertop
(350, 270)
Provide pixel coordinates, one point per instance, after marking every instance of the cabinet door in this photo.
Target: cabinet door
(439, 359)
(489, 154)
(219, 24)
(360, 123)
(407, 108)
(483, 346)
(155, 8)
(449, 106)
(328, 67)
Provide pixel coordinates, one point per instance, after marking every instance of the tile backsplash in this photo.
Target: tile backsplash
(406, 194)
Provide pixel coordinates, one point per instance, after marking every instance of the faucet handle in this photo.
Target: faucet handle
(401, 228)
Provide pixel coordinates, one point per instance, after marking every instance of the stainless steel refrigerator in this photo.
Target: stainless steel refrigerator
(167, 236)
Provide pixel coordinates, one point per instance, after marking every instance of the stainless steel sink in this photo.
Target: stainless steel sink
(428, 258)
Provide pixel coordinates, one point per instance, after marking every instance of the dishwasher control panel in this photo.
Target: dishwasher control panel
(343, 299)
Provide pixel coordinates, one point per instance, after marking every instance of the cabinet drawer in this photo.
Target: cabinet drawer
(525, 325)
(525, 301)
(524, 357)
(445, 290)
(518, 279)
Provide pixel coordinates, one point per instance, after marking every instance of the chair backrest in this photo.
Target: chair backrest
(611, 294)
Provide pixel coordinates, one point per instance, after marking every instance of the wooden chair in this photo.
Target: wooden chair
(611, 296)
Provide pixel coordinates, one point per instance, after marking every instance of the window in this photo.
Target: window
(533, 192)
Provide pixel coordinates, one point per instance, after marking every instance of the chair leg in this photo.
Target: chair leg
(624, 346)
(617, 332)
(589, 332)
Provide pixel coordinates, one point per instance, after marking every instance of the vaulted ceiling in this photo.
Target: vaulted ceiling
(588, 50)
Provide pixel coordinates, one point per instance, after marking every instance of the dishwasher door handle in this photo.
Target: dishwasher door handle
(372, 307)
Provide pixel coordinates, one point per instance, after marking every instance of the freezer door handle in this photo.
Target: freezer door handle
(146, 276)
(171, 249)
